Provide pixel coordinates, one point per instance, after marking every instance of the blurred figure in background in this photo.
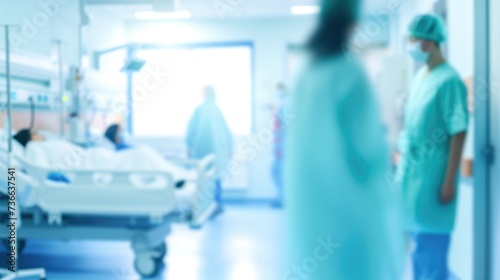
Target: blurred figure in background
(208, 133)
(436, 121)
(343, 218)
(117, 136)
(279, 139)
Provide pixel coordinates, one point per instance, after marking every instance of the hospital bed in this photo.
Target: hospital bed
(139, 207)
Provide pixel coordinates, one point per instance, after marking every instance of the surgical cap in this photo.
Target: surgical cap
(349, 8)
(428, 27)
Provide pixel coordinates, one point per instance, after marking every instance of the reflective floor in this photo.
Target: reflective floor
(244, 243)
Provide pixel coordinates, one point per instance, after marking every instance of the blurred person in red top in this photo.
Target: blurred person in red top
(279, 139)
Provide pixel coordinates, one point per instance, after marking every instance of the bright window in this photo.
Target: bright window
(169, 87)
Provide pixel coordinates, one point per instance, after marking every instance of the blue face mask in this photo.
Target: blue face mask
(416, 52)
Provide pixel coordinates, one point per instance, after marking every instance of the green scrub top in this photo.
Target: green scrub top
(343, 218)
(435, 111)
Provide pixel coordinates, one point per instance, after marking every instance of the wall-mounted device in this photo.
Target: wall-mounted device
(31, 76)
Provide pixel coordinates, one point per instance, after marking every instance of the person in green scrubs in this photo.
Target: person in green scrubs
(343, 218)
(436, 120)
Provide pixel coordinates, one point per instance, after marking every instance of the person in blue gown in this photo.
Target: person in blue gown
(208, 133)
(279, 131)
(436, 122)
(342, 217)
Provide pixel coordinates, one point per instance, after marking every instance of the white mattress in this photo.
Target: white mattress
(56, 154)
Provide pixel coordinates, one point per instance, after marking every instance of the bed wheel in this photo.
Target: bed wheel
(20, 248)
(161, 250)
(146, 266)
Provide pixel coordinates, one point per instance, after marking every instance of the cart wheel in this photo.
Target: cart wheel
(21, 245)
(146, 266)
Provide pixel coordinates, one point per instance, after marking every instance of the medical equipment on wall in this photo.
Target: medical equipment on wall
(73, 82)
(20, 98)
(31, 76)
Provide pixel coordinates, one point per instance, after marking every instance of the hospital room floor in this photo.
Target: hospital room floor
(244, 243)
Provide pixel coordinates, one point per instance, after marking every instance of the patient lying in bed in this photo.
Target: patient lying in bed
(62, 155)
(25, 136)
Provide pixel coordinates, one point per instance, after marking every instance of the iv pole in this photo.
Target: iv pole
(9, 275)
(62, 112)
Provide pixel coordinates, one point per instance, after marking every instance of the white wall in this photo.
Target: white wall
(104, 31)
(461, 36)
(461, 56)
(42, 22)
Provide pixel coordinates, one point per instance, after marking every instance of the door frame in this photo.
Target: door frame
(482, 164)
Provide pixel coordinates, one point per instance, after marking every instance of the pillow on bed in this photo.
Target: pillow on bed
(49, 135)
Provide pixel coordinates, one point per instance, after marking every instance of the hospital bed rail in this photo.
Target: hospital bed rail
(107, 205)
(204, 205)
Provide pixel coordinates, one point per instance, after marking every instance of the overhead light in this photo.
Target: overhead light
(167, 15)
(305, 10)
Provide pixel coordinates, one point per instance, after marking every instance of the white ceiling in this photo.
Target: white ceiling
(206, 9)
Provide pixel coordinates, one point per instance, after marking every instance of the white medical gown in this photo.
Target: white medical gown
(343, 219)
